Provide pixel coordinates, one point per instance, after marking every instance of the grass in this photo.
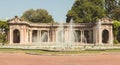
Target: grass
(39, 52)
(10, 50)
(61, 52)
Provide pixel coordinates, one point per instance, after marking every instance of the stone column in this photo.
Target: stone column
(66, 36)
(26, 35)
(21, 36)
(100, 37)
(111, 37)
(37, 35)
(53, 35)
(40, 35)
(81, 36)
(96, 36)
(90, 36)
(30, 36)
(56, 36)
(48, 36)
(11, 36)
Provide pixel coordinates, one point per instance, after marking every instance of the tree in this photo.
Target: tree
(115, 14)
(4, 28)
(37, 16)
(86, 11)
(113, 9)
(116, 26)
(110, 5)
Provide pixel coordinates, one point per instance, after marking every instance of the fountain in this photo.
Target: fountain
(44, 37)
(60, 37)
(73, 37)
(61, 42)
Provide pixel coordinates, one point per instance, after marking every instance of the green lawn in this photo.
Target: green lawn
(39, 52)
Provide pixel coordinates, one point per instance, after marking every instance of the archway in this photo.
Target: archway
(16, 36)
(105, 36)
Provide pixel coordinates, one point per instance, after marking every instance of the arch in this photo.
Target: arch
(105, 36)
(16, 36)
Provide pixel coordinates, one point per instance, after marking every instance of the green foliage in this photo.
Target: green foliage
(110, 5)
(116, 26)
(3, 39)
(113, 9)
(115, 41)
(3, 31)
(115, 14)
(92, 10)
(37, 16)
(86, 11)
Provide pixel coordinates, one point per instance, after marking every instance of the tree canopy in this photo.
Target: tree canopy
(116, 25)
(86, 11)
(92, 10)
(113, 9)
(37, 16)
(3, 31)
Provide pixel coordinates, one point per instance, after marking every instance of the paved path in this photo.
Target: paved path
(26, 59)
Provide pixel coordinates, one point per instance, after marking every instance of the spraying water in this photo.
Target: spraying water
(73, 37)
(60, 38)
(44, 37)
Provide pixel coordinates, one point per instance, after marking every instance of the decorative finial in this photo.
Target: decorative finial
(16, 16)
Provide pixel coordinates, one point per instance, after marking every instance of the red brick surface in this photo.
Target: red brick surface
(26, 59)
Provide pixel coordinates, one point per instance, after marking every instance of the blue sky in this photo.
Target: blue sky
(57, 8)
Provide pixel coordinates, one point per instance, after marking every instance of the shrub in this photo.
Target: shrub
(115, 42)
